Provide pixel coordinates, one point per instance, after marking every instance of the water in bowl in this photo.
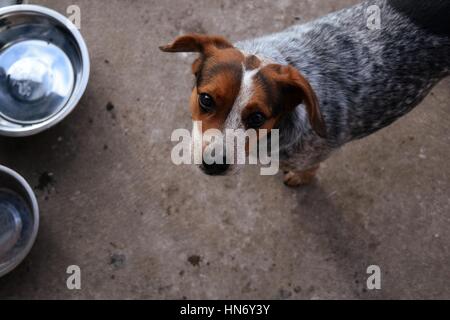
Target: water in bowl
(14, 222)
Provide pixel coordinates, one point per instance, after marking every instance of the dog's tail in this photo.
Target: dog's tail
(433, 15)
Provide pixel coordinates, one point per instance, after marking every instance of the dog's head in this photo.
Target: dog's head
(234, 90)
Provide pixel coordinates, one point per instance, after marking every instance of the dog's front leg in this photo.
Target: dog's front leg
(297, 178)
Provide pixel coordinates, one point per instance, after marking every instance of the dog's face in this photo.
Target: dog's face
(238, 91)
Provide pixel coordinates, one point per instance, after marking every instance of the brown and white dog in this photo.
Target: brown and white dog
(322, 84)
(239, 91)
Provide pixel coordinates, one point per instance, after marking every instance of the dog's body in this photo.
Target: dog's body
(364, 78)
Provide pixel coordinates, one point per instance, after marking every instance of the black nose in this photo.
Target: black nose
(215, 169)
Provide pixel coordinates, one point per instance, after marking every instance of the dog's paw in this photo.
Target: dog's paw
(295, 179)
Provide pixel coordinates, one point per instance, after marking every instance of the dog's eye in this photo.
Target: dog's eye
(206, 102)
(256, 120)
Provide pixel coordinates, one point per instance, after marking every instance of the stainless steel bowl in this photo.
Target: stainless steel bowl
(19, 219)
(44, 69)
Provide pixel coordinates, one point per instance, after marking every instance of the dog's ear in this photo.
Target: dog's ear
(197, 43)
(295, 90)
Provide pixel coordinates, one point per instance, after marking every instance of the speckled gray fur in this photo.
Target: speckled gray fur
(364, 79)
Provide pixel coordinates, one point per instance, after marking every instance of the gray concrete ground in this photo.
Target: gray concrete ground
(140, 227)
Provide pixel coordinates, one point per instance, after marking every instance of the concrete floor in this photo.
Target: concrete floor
(116, 206)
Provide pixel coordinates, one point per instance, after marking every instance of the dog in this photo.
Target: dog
(322, 84)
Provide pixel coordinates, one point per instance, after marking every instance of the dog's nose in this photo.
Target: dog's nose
(215, 169)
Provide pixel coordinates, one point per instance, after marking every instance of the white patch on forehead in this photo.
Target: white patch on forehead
(247, 87)
(245, 93)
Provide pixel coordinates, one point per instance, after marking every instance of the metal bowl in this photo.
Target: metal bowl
(44, 69)
(19, 219)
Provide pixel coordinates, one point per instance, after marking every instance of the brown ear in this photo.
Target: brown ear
(295, 90)
(196, 43)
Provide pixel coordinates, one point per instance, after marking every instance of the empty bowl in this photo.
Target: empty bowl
(19, 219)
(44, 69)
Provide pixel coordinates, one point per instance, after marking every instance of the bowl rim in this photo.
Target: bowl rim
(28, 130)
(35, 208)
